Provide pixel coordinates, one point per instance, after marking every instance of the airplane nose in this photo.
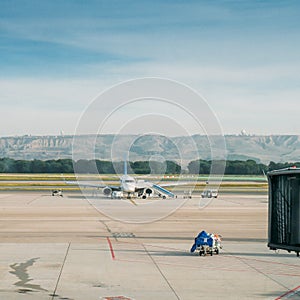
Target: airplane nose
(130, 188)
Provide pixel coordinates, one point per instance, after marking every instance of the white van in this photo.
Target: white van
(210, 194)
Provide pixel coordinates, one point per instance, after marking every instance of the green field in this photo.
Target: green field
(47, 182)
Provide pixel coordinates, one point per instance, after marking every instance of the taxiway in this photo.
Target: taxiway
(77, 248)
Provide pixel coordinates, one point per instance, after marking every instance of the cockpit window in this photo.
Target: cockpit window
(129, 181)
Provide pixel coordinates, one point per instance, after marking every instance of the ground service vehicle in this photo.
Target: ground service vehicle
(57, 193)
(207, 243)
(209, 194)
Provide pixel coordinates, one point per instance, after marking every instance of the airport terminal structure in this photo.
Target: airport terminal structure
(284, 209)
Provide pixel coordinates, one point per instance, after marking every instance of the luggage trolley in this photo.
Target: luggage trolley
(207, 243)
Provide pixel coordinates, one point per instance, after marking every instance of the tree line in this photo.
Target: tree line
(233, 167)
(83, 166)
(238, 167)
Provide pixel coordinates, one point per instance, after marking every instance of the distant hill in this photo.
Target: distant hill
(278, 148)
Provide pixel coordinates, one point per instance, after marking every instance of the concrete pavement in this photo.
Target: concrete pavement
(65, 248)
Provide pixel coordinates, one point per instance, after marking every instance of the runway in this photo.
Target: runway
(74, 248)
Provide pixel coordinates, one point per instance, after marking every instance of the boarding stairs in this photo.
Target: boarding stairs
(162, 192)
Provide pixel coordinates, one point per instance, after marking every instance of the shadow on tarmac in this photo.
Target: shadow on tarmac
(240, 254)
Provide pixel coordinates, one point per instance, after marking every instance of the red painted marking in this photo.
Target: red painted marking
(117, 298)
(288, 293)
(262, 260)
(111, 248)
(221, 267)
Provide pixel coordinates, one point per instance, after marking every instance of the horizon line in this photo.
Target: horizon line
(137, 134)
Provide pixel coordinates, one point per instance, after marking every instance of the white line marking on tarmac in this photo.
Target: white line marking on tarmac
(160, 271)
(59, 276)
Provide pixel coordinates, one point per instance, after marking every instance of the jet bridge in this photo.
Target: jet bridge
(284, 209)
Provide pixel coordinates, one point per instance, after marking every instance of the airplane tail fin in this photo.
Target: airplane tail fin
(125, 167)
(266, 178)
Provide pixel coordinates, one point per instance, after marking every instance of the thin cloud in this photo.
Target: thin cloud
(243, 55)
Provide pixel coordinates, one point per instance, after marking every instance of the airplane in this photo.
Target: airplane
(132, 187)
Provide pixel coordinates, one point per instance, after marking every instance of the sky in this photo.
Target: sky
(243, 57)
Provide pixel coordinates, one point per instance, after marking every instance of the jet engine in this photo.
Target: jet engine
(107, 191)
(148, 191)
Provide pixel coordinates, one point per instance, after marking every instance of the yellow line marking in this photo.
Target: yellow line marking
(133, 202)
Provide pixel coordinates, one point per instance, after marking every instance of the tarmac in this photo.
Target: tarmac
(76, 248)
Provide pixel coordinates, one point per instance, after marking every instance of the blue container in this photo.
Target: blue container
(203, 239)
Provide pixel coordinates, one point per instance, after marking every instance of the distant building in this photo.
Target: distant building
(244, 132)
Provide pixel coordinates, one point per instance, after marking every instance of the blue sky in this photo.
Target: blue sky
(242, 56)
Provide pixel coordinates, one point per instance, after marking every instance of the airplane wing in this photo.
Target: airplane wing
(174, 184)
(94, 185)
(145, 184)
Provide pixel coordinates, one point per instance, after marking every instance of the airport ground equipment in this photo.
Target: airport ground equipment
(210, 194)
(162, 192)
(284, 210)
(207, 243)
(117, 195)
(57, 193)
(187, 194)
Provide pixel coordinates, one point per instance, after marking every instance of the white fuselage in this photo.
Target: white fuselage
(128, 184)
